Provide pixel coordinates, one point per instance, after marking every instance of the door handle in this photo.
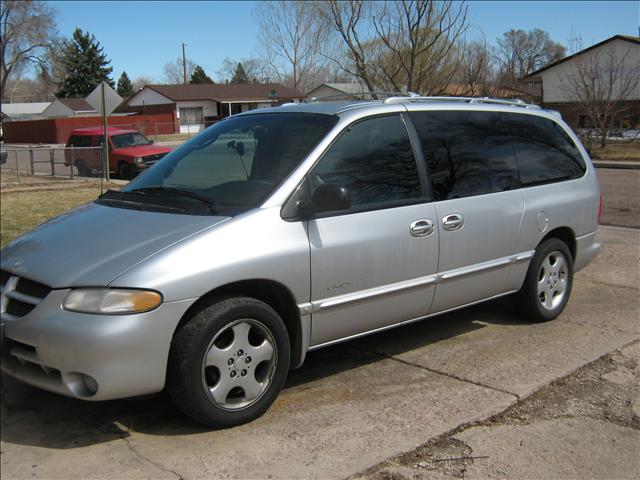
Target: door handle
(421, 228)
(452, 222)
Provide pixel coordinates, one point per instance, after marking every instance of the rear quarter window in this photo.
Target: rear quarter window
(80, 141)
(543, 150)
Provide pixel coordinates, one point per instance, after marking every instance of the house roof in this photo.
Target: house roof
(31, 108)
(626, 38)
(219, 92)
(76, 104)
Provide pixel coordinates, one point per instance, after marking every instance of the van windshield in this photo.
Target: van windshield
(132, 139)
(238, 162)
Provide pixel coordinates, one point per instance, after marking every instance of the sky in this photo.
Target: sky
(140, 37)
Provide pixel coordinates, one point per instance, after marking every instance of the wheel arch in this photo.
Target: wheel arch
(566, 235)
(274, 294)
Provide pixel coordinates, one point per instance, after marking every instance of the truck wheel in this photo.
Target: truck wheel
(228, 363)
(548, 283)
(125, 171)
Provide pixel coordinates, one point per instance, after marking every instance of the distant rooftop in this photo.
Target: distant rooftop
(222, 92)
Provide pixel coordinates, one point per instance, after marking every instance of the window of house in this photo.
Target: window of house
(544, 151)
(374, 160)
(466, 153)
(191, 116)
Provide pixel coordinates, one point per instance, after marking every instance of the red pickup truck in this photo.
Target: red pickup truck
(129, 151)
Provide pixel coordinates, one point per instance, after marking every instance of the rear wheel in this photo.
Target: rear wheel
(229, 362)
(549, 279)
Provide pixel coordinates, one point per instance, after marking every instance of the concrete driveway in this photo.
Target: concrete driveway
(350, 406)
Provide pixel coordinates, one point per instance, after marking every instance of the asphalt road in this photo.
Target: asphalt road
(351, 406)
(620, 197)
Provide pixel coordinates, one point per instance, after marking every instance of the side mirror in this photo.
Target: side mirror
(326, 197)
(329, 197)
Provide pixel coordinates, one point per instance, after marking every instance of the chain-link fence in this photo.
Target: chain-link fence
(23, 164)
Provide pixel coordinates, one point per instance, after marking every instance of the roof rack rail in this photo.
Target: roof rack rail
(412, 97)
(369, 95)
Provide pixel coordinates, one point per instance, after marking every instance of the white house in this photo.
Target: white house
(197, 105)
(558, 79)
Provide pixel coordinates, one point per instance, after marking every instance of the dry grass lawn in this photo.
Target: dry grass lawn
(617, 150)
(20, 211)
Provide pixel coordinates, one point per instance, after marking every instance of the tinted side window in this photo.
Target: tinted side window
(80, 141)
(544, 151)
(466, 153)
(374, 160)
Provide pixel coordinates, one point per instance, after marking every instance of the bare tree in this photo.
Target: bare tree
(290, 36)
(256, 69)
(520, 53)
(351, 46)
(601, 82)
(173, 71)
(420, 40)
(140, 81)
(28, 29)
(474, 76)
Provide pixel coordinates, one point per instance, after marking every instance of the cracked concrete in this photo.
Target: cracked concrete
(351, 405)
(582, 426)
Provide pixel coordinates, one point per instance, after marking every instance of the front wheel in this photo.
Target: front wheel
(548, 283)
(229, 362)
(125, 171)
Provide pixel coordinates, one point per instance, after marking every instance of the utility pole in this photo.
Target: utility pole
(184, 64)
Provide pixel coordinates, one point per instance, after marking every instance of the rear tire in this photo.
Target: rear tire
(228, 363)
(83, 171)
(548, 283)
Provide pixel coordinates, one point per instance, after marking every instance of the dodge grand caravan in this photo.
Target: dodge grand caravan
(283, 230)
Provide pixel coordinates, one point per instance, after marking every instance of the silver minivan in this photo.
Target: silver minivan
(283, 230)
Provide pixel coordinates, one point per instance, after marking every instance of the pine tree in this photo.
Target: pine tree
(199, 76)
(240, 75)
(125, 87)
(85, 65)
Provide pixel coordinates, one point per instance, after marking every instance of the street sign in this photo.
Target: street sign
(111, 99)
(105, 100)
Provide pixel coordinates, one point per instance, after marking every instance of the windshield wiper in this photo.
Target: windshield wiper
(134, 200)
(212, 204)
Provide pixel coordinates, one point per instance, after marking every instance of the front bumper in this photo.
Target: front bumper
(126, 355)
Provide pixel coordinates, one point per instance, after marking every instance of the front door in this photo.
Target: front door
(479, 206)
(375, 264)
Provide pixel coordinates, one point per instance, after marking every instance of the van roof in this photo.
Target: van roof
(98, 131)
(335, 106)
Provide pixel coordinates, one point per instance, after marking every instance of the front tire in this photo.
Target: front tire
(548, 283)
(228, 363)
(125, 171)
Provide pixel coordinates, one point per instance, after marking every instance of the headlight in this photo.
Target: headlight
(138, 160)
(108, 301)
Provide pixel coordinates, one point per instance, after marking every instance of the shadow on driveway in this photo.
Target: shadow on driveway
(37, 418)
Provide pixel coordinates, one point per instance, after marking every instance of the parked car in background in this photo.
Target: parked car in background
(130, 151)
(284, 230)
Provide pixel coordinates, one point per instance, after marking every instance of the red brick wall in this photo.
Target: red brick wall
(154, 121)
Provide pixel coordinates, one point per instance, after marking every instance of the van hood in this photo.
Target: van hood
(93, 244)
(141, 150)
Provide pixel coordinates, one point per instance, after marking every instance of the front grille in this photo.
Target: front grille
(19, 295)
(151, 159)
